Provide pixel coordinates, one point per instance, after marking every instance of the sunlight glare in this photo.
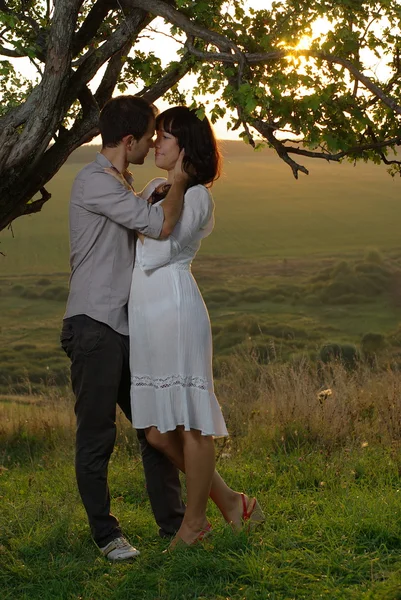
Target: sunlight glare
(304, 43)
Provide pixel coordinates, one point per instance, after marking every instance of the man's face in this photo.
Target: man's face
(138, 149)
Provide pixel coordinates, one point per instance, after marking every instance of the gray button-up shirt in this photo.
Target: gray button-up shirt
(103, 216)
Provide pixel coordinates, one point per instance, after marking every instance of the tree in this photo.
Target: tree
(321, 101)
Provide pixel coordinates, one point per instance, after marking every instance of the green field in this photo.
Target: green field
(291, 265)
(329, 533)
(261, 212)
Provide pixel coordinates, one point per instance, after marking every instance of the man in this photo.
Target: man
(104, 215)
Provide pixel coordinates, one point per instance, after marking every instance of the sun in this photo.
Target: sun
(304, 43)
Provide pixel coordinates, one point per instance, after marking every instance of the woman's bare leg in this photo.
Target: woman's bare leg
(199, 460)
(171, 443)
(228, 501)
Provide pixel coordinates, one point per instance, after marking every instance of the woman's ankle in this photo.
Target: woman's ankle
(234, 502)
(194, 524)
(234, 511)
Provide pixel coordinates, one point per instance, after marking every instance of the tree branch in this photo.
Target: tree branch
(127, 31)
(89, 27)
(282, 151)
(262, 57)
(396, 141)
(162, 9)
(111, 75)
(11, 53)
(210, 56)
(166, 82)
(367, 82)
(36, 205)
(40, 122)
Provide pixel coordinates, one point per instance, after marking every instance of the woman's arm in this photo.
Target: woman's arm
(196, 214)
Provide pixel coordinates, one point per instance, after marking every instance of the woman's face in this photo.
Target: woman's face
(167, 150)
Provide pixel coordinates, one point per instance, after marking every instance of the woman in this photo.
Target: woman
(172, 393)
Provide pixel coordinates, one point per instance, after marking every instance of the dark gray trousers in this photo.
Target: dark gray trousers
(100, 379)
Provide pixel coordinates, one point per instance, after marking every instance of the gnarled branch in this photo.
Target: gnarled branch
(280, 148)
(284, 151)
(36, 206)
(38, 128)
(165, 10)
(90, 26)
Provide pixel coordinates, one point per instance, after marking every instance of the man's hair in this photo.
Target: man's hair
(125, 115)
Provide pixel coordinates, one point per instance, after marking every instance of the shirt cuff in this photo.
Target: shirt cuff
(156, 220)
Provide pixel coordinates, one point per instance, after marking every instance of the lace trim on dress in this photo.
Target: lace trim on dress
(187, 381)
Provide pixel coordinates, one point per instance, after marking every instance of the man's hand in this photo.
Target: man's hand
(179, 174)
(172, 204)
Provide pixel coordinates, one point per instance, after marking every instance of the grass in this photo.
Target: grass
(325, 469)
(333, 530)
(270, 401)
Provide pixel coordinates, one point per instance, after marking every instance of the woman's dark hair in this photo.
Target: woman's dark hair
(202, 159)
(124, 115)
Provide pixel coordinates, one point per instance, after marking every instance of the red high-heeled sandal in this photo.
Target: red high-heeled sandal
(204, 533)
(252, 513)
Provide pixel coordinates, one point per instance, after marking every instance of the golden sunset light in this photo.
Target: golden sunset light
(200, 299)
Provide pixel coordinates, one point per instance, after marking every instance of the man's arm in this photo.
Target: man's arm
(104, 194)
(173, 202)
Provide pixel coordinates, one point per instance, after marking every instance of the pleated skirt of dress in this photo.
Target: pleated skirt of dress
(171, 353)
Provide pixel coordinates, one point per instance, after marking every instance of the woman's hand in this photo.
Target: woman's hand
(119, 176)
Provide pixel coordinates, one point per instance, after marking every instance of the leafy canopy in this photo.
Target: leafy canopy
(316, 78)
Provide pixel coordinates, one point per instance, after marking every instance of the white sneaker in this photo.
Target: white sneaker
(119, 549)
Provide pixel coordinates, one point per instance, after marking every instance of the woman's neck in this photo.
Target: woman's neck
(170, 177)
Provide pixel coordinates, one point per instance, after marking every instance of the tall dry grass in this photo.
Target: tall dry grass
(318, 403)
(48, 420)
(290, 403)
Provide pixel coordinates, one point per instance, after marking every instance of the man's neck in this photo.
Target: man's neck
(117, 157)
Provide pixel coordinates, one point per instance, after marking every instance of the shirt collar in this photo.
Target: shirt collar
(104, 162)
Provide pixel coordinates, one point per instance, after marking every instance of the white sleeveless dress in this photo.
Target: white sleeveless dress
(170, 335)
